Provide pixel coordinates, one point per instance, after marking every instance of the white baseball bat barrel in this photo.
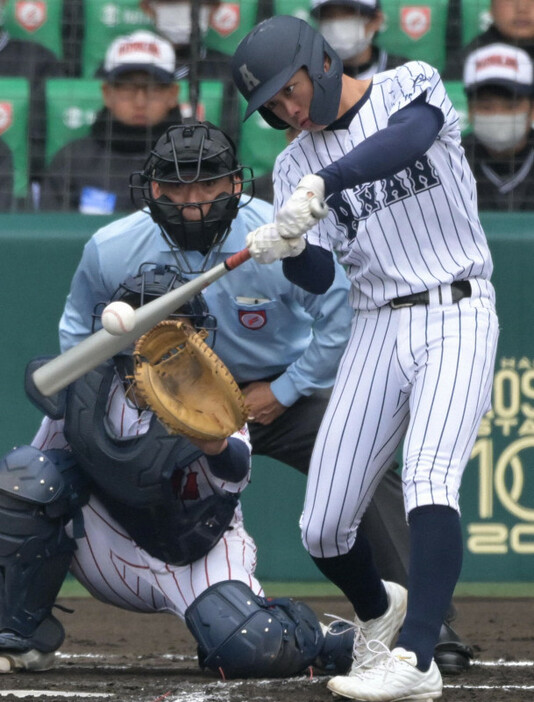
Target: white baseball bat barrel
(100, 346)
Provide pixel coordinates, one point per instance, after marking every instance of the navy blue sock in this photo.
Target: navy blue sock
(435, 563)
(355, 574)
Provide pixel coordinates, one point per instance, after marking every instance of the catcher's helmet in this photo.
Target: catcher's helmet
(151, 282)
(273, 52)
(192, 152)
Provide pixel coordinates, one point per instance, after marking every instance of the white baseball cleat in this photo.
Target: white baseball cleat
(384, 628)
(10, 661)
(394, 678)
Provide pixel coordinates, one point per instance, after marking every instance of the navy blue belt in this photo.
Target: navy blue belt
(459, 290)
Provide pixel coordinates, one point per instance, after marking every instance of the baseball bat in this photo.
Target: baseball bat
(100, 346)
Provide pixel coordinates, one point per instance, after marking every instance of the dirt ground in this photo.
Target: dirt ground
(115, 655)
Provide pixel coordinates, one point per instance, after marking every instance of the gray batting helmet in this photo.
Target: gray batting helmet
(273, 52)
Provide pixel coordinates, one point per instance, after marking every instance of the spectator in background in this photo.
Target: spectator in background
(91, 174)
(21, 58)
(6, 177)
(173, 21)
(513, 23)
(350, 27)
(498, 81)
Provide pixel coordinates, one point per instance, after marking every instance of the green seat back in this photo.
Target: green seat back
(456, 92)
(36, 20)
(416, 30)
(14, 103)
(259, 143)
(104, 20)
(233, 20)
(475, 18)
(71, 107)
(230, 23)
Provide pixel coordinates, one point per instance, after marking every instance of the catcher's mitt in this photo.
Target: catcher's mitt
(186, 384)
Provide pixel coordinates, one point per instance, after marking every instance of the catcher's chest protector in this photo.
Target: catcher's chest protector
(133, 476)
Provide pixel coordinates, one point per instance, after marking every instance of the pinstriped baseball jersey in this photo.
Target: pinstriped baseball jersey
(110, 564)
(407, 233)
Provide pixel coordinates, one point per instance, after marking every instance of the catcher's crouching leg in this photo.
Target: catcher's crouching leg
(241, 635)
(39, 492)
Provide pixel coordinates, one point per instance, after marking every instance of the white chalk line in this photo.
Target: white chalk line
(221, 690)
(32, 694)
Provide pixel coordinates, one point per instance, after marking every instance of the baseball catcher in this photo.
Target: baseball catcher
(132, 482)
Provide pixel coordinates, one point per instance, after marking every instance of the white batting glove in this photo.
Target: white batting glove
(267, 246)
(303, 209)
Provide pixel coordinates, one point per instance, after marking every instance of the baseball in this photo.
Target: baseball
(118, 318)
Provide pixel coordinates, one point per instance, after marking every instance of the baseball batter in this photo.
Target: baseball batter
(386, 155)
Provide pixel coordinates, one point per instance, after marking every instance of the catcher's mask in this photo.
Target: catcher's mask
(272, 53)
(151, 282)
(193, 152)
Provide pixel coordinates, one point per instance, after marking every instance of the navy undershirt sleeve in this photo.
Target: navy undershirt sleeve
(233, 463)
(312, 270)
(409, 134)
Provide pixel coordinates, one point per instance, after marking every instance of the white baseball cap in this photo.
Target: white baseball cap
(364, 6)
(499, 64)
(141, 51)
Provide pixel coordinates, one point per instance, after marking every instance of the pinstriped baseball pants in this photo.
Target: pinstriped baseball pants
(423, 374)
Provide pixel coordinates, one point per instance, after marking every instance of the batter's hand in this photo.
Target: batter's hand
(261, 403)
(303, 209)
(266, 245)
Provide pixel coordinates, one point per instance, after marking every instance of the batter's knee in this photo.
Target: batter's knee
(323, 542)
(241, 635)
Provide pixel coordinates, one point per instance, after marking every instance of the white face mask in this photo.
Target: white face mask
(346, 36)
(173, 21)
(501, 132)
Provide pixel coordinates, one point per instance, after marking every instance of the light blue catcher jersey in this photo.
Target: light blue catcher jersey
(265, 324)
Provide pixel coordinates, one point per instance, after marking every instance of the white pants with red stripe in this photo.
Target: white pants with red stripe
(117, 571)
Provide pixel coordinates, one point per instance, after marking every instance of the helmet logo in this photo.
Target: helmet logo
(249, 78)
(253, 320)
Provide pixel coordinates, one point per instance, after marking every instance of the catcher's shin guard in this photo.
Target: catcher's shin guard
(39, 492)
(242, 635)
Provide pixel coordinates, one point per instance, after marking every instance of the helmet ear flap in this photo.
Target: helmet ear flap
(271, 119)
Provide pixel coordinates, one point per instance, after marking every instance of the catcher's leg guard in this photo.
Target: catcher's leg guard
(39, 492)
(242, 635)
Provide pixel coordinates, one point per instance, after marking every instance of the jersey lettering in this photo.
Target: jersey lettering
(414, 179)
(394, 190)
(249, 78)
(345, 218)
(422, 175)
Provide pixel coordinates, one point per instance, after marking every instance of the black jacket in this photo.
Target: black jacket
(92, 174)
(502, 184)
